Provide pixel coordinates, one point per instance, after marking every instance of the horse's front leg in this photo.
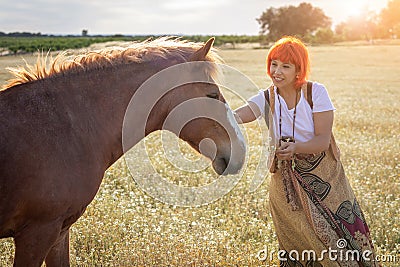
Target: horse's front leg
(33, 243)
(59, 253)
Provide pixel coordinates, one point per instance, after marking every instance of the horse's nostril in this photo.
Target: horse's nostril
(226, 161)
(219, 165)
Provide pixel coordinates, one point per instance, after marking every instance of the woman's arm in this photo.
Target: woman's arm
(247, 113)
(323, 122)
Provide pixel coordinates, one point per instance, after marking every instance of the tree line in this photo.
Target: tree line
(17, 43)
(311, 24)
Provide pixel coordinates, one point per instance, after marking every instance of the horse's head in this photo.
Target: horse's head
(200, 116)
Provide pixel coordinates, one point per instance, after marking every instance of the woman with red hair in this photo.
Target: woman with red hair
(317, 218)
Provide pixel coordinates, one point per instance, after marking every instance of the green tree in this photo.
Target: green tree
(292, 20)
(324, 36)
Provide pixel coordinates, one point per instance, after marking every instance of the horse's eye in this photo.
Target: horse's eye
(213, 95)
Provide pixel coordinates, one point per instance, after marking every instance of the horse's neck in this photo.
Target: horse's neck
(108, 92)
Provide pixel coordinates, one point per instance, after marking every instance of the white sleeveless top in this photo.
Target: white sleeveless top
(304, 126)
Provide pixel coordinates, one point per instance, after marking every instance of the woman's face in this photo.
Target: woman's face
(283, 74)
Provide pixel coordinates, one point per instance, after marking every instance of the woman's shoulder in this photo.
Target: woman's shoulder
(317, 86)
(259, 97)
(318, 89)
(320, 97)
(261, 93)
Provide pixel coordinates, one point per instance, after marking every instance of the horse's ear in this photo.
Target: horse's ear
(201, 54)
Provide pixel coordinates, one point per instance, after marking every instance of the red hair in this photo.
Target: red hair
(292, 50)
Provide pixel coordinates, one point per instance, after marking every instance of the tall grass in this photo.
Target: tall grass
(125, 227)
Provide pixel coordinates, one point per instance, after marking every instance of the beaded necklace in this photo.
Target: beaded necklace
(287, 138)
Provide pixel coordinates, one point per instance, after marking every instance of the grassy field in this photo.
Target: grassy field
(125, 227)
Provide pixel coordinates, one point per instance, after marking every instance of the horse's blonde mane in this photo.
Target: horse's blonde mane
(47, 66)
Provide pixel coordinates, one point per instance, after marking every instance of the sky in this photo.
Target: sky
(161, 17)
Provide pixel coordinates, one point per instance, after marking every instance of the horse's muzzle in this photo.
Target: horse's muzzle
(232, 163)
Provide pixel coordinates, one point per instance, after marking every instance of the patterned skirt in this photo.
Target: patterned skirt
(326, 226)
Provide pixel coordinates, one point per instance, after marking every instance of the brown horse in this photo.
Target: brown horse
(62, 126)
